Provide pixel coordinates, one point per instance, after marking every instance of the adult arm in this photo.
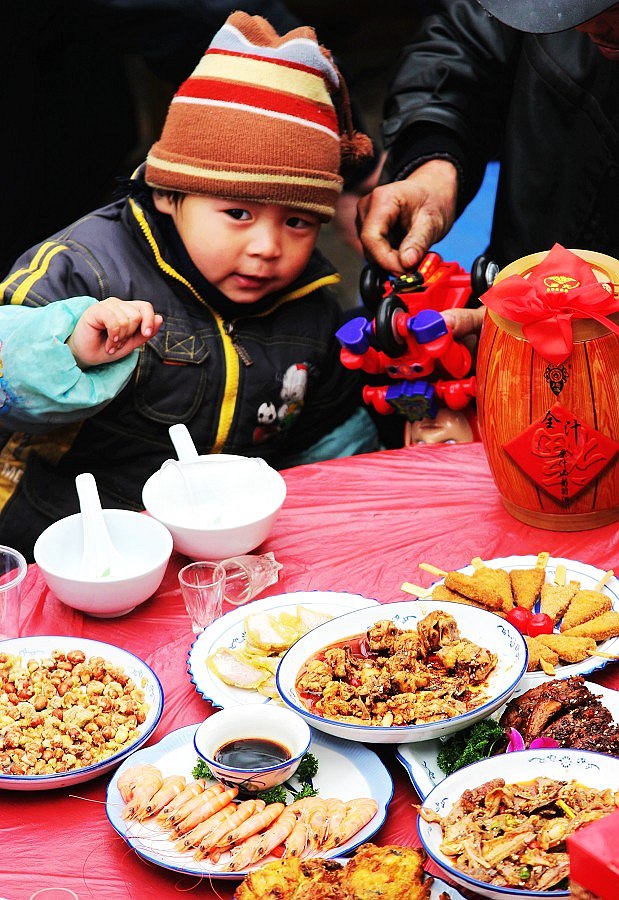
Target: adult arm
(445, 106)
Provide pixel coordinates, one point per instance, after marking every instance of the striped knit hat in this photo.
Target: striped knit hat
(262, 118)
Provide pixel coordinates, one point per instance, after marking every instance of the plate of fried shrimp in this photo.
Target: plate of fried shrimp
(581, 599)
(176, 819)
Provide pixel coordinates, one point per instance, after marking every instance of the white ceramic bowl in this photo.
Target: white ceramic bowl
(217, 506)
(144, 544)
(42, 647)
(484, 628)
(591, 769)
(275, 723)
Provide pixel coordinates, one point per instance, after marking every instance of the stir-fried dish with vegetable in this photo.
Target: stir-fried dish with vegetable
(513, 835)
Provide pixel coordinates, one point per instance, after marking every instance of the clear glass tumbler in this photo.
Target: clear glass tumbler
(13, 568)
(202, 586)
(249, 575)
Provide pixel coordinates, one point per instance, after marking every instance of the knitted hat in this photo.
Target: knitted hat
(545, 16)
(262, 118)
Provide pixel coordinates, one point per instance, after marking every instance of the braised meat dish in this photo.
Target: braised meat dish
(390, 676)
(567, 711)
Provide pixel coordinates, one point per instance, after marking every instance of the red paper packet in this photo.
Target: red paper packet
(594, 857)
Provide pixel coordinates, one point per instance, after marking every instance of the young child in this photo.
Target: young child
(52, 358)
(219, 233)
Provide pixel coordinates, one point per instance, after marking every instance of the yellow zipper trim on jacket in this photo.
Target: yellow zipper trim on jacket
(37, 268)
(231, 382)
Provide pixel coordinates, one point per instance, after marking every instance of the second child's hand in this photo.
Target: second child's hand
(111, 330)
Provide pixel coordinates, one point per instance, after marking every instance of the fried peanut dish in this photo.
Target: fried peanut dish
(65, 712)
(514, 835)
(389, 676)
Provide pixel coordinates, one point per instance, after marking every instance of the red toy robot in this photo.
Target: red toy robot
(408, 337)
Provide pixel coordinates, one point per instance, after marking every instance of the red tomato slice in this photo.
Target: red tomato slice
(540, 623)
(520, 618)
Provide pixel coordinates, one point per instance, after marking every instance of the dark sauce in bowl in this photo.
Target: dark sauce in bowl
(252, 754)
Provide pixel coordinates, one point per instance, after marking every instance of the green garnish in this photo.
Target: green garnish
(464, 747)
(306, 790)
(201, 770)
(277, 794)
(308, 767)
(524, 873)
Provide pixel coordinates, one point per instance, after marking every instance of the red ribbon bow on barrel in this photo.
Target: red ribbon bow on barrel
(562, 287)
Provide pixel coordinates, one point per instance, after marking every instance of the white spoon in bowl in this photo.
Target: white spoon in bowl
(101, 558)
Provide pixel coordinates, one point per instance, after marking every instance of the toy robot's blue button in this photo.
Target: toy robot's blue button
(414, 399)
(426, 326)
(355, 335)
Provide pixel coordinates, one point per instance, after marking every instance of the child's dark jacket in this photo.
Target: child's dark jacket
(258, 380)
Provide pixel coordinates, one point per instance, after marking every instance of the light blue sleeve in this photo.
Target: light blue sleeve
(41, 385)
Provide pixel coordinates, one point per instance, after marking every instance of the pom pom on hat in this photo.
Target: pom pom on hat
(263, 118)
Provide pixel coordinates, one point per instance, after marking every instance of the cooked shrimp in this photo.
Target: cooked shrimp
(258, 822)
(210, 803)
(358, 814)
(244, 812)
(242, 855)
(130, 777)
(192, 790)
(336, 811)
(297, 840)
(181, 812)
(318, 823)
(217, 839)
(276, 834)
(148, 782)
(193, 837)
(171, 787)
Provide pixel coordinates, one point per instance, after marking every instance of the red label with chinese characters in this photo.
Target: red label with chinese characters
(561, 454)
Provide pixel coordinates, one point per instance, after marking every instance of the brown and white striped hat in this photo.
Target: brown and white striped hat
(262, 118)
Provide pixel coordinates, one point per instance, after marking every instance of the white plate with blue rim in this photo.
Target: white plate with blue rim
(421, 760)
(229, 632)
(41, 647)
(590, 769)
(588, 577)
(345, 771)
(478, 625)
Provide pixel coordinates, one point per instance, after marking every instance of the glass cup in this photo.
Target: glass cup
(13, 568)
(249, 575)
(202, 587)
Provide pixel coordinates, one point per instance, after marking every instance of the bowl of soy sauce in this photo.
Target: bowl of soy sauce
(253, 747)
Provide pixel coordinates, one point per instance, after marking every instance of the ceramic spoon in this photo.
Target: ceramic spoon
(183, 443)
(101, 558)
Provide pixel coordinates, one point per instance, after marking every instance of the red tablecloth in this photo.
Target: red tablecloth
(359, 525)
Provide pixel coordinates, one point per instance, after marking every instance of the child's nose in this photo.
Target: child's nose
(265, 241)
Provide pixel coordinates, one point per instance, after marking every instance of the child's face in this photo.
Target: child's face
(245, 250)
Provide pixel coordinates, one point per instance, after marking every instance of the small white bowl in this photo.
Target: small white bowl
(144, 543)
(270, 722)
(478, 625)
(594, 770)
(217, 506)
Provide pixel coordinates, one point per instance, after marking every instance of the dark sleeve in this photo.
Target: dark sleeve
(450, 94)
(52, 271)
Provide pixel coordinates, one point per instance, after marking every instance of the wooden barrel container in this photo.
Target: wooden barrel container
(514, 392)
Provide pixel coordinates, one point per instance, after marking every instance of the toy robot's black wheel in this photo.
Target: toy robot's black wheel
(371, 286)
(483, 272)
(386, 339)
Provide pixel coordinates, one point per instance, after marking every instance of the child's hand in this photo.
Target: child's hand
(112, 329)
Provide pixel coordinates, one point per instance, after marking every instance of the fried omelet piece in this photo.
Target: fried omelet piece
(390, 873)
(293, 879)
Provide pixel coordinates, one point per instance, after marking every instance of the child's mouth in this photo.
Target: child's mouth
(250, 281)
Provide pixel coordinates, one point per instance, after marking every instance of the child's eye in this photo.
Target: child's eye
(299, 222)
(242, 215)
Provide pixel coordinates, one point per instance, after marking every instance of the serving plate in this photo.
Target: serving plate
(344, 770)
(40, 647)
(420, 760)
(588, 576)
(228, 631)
(478, 625)
(593, 770)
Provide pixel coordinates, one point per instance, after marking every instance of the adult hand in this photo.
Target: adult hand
(464, 322)
(112, 329)
(422, 205)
